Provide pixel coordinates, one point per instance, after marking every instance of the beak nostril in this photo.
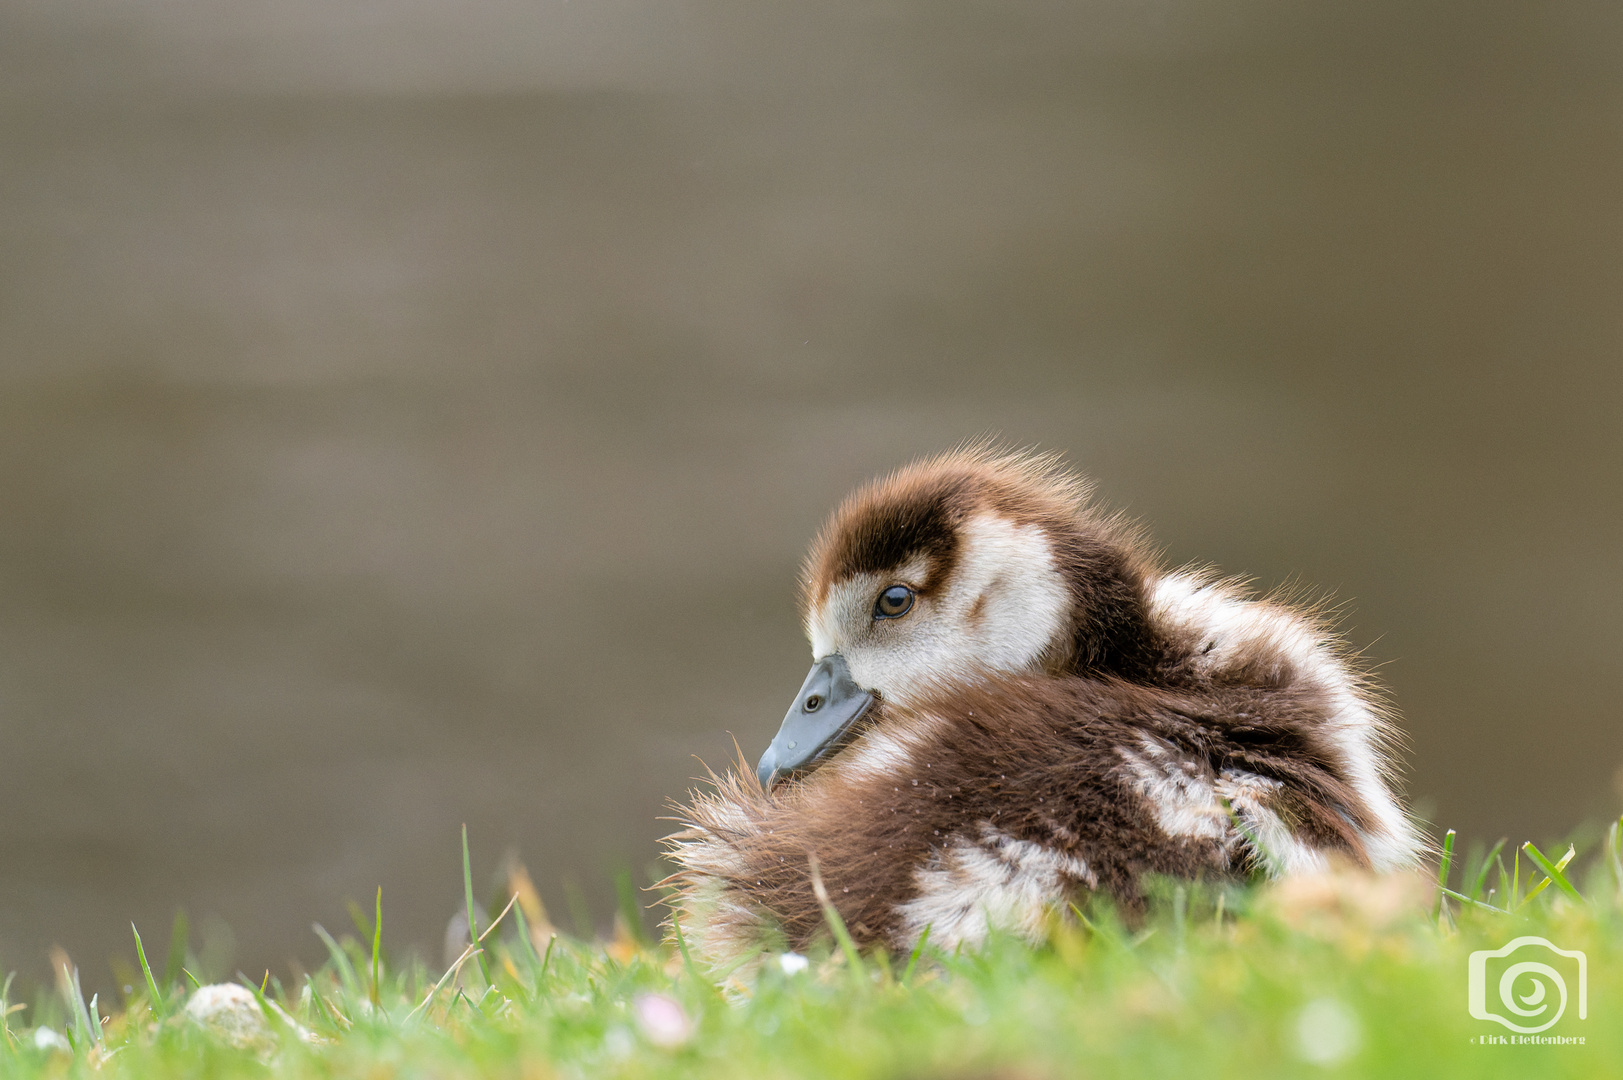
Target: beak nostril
(814, 702)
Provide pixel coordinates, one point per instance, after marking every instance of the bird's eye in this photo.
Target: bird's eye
(893, 603)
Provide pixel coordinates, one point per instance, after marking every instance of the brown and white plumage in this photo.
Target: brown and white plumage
(1051, 713)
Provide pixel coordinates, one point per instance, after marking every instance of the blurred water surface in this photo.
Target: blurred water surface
(413, 413)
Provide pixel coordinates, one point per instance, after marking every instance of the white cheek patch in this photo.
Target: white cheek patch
(1005, 605)
(1008, 600)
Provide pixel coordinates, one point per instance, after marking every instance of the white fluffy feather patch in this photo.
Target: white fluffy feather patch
(1178, 789)
(992, 880)
(1189, 802)
(1233, 629)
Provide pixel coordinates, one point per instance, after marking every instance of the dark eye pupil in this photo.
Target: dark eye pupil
(894, 601)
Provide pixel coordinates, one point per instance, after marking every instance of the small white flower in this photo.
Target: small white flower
(48, 1038)
(618, 1043)
(1327, 1032)
(792, 963)
(662, 1019)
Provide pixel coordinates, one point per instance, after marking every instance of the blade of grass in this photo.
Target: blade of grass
(1548, 881)
(1553, 871)
(377, 950)
(918, 951)
(346, 970)
(1475, 902)
(532, 958)
(75, 998)
(835, 923)
(1614, 847)
(881, 960)
(467, 889)
(358, 919)
(1482, 873)
(466, 1000)
(320, 1004)
(682, 947)
(191, 979)
(522, 954)
(6, 1010)
(631, 911)
(160, 1008)
(1443, 868)
(546, 961)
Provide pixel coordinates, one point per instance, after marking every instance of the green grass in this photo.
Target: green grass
(1344, 975)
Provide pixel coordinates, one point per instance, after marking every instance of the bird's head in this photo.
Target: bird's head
(951, 570)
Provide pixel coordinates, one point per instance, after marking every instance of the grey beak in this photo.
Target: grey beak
(830, 703)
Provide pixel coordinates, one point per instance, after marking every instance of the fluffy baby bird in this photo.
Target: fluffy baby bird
(1011, 706)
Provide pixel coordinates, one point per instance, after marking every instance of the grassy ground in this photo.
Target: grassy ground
(1339, 975)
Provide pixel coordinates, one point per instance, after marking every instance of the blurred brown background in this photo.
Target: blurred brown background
(413, 412)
